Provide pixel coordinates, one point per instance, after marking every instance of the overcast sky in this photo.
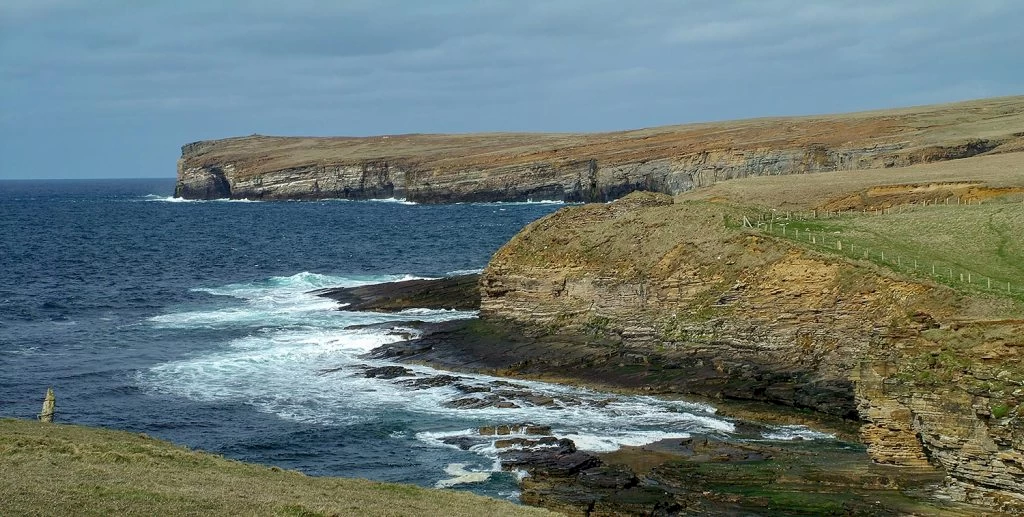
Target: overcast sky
(104, 88)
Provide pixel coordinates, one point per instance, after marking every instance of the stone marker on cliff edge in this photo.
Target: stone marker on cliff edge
(49, 406)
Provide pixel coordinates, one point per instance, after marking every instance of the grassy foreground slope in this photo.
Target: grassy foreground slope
(71, 470)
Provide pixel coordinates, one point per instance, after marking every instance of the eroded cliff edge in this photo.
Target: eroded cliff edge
(591, 167)
(676, 295)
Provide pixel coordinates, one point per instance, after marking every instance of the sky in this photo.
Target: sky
(113, 88)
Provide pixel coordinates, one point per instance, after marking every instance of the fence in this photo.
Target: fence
(785, 225)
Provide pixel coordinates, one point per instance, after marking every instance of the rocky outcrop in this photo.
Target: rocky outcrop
(679, 298)
(451, 293)
(590, 167)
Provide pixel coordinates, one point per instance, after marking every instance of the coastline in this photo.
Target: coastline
(731, 473)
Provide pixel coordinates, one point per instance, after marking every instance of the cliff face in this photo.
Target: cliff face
(591, 167)
(676, 293)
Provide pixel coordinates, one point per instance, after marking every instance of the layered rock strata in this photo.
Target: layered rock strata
(679, 297)
(591, 167)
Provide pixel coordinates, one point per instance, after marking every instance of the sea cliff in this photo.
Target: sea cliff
(591, 167)
(686, 295)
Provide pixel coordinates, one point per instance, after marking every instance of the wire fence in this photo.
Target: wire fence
(786, 225)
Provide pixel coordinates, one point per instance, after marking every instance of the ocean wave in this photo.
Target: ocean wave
(172, 199)
(460, 272)
(287, 301)
(514, 203)
(301, 359)
(795, 432)
(461, 476)
(395, 200)
(614, 442)
(301, 283)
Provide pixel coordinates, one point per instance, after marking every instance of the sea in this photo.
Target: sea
(192, 321)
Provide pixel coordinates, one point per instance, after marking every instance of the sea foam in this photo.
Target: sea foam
(300, 359)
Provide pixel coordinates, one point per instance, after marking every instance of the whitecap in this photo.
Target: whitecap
(172, 199)
(795, 432)
(300, 359)
(399, 200)
(614, 442)
(514, 203)
(395, 200)
(288, 301)
(461, 476)
(461, 272)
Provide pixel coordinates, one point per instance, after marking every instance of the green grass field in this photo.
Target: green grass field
(50, 469)
(974, 249)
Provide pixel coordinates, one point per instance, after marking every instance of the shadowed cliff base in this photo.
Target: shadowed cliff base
(592, 167)
(460, 292)
(701, 475)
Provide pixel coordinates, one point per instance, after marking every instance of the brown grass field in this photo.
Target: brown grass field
(912, 128)
(976, 178)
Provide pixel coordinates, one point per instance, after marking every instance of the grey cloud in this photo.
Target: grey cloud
(157, 74)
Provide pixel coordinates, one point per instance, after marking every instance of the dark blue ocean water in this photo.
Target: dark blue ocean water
(190, 321)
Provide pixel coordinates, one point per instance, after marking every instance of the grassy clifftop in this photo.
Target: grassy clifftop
(71, 470)
(911, 326)
(913, 129)
(593, 166)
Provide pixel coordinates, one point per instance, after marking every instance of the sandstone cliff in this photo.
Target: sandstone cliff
(591, 167)
(676, 294)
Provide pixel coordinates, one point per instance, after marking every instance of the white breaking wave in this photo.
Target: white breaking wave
(396, 200)
(302, 282)
(460, 272)
(461, 476)
(169, 199)
(611, 443)
(172, 199)
(281, 301)
(513, 203)
(399, 200)
(301, 359)
(795, 432)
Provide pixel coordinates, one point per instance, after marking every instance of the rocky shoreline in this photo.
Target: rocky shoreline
(701, 475)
